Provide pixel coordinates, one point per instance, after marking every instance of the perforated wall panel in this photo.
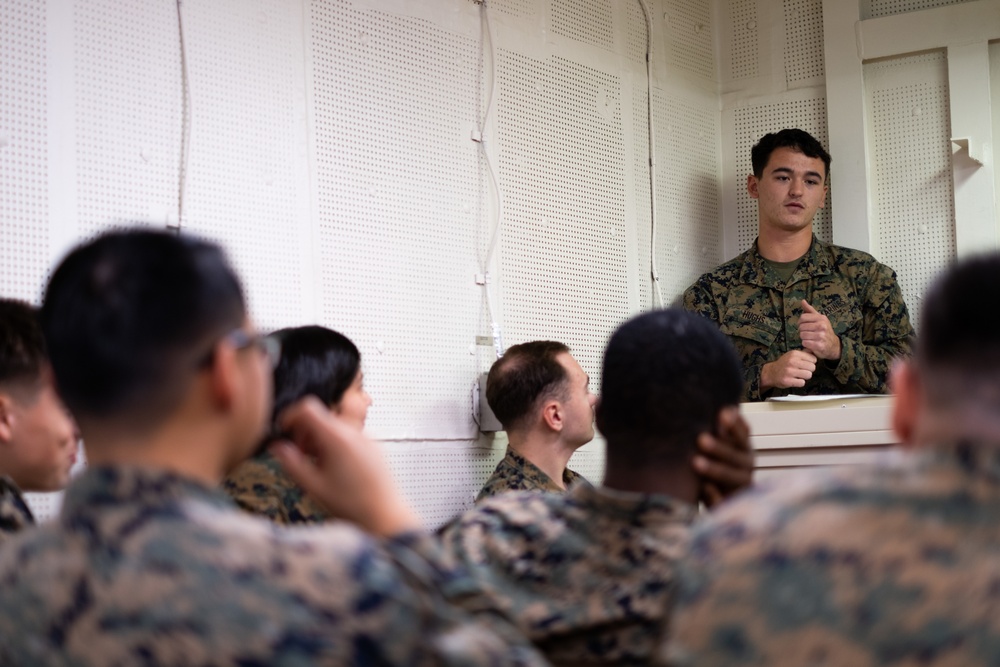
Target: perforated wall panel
(744, 47)
(640, 185)
(688, 242)
(803, 40)
(128, 112)
(399, 195)
(564, 274)
(245, 137)
(910, 156)
(636, 33)
(24, 231)
(752, 123)
(512, 7)
(588, 21)
(689, 37)
(872, 9)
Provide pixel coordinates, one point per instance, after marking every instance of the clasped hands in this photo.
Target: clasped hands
(793, 368)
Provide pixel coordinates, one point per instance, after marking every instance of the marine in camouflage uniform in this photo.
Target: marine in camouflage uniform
(759, 313)
(891, 565)
(516, 473)
(586, 574)
(260, 486)
(147, 567)
(15, 515)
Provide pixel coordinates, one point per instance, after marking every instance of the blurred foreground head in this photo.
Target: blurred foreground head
(147, 328)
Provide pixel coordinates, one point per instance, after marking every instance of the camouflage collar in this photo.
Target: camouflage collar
(631, 504)
(107, 487)
(816, 262)
(978, 458)
(533, 472)
(15, 514)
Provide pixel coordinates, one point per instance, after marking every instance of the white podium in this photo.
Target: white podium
(818, 432)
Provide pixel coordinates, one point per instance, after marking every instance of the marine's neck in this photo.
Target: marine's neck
(780, 245)
(546, 451)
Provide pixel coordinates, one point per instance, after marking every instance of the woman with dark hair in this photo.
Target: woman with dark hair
(314, 361)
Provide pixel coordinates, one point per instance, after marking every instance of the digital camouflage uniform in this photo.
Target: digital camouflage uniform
(586, 574)
(516, 473)
(144, 567)
(897, 564)
(760, 314)
(15, 515)
(260, 486)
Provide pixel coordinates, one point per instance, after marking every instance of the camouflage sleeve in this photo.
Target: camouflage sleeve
(887, 333)
(698, 299)
(474, 634)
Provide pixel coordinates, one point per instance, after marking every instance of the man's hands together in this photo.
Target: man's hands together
(795, 367)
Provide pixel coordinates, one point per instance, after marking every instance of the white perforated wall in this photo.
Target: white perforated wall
(128, 112)
(745, 29)
(803, 40)
(247, 137)
(871, 9)
(588, 21)
(688, 241)
(688, 35)
(563, 263)
(399, 196)
(753, 122)
(910, 157)
(24, 232)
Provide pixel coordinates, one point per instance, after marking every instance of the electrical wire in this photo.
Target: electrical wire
(652, 154)
(185, 123)
(486, 35)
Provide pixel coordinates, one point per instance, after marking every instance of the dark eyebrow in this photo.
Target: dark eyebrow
(786, 170)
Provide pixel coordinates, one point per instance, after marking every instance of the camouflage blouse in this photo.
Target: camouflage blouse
(587, 575)
(260, 486)
(15, 515)
(759, 313)
(516, 473)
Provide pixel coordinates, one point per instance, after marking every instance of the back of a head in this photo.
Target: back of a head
(22, 346)
(315, 361)
(666, 376)
(799, 140)
(128, 319)
(526, 374)
(958, 346)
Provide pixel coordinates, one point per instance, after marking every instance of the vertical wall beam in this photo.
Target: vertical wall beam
(846, 126)
(972, 148)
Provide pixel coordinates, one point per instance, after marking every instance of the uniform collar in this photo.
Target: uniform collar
(14, 511)
(974, 457)
(532, 471)
(110, 487)
(816, 262)
(643, 507)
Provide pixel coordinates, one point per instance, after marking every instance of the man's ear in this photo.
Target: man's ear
(905, 383)
(552, 415)
(223, 376)
(752, 186)
(7, 418)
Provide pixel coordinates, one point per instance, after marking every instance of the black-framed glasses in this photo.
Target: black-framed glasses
(241, 339)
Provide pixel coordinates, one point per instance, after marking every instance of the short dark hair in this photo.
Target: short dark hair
(800, 140)
(958, 347)
(22, 346)
(315, 361)
(129, 316)
(526, 374)
(666, 376)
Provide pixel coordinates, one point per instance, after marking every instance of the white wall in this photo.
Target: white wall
(331, 154)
